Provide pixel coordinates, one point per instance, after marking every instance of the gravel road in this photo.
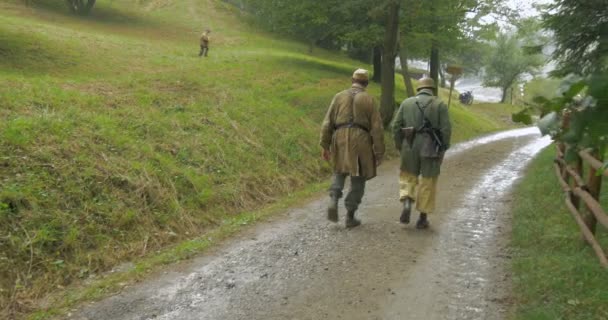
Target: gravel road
(300, 266)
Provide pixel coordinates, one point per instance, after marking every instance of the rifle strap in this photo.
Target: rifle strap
(422, 108)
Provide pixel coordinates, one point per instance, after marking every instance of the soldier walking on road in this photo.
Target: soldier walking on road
(352, 137)
(204, 43)
(422, 132)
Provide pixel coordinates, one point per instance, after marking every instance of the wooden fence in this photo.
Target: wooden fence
(578, 190)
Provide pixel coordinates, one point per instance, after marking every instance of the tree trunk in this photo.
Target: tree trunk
(442, 75)
(434, 47)
(311, 46)
(435, 65)
(504, 95)
(82, 7)
(377, 62)
(387, 101)
(407, 79)
(511, 95)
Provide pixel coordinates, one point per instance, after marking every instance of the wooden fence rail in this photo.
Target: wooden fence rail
(578, 190)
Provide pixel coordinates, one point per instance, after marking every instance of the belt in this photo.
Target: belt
(351, 125)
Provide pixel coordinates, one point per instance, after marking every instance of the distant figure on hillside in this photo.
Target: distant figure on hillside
(422, 132)
(352, 137)
(205, 43)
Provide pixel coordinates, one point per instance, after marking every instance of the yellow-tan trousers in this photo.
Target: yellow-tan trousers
(420, 189)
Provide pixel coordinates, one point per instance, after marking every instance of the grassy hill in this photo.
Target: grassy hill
(116, 140)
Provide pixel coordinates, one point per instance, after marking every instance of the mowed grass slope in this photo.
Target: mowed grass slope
(556, 275)
(117, 140)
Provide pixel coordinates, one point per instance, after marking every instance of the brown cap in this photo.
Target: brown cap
(426, 83)
(361, 74)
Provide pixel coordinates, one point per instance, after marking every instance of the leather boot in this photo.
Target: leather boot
(351, 221)
(406, 211)
(423, 222)
(332, 209)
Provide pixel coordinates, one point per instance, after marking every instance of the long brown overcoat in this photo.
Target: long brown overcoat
(354, 150)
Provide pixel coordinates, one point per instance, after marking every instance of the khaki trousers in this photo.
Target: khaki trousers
(420, 189)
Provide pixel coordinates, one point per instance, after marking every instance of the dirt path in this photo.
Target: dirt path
(302, 267)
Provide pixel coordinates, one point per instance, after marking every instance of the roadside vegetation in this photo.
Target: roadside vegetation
(117, 141)
(556, 275)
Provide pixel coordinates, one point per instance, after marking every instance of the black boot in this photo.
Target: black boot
(351, 222)
(423, 222)
(332, 209)
(406, 211)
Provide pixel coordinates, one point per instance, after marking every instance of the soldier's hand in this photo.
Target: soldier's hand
(378, 161)
(326, 155)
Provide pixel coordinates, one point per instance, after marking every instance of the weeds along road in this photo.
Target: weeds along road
(300, 266)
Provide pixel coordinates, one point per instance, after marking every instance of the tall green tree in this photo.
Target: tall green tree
(508, 63)
(449, 31)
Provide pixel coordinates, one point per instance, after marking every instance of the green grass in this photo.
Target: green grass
(113, 282)
(556, 276)
(115, 137)
(547, 88)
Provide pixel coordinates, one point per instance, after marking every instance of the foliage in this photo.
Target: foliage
(580, 29)
(508, 63)
(313, 21)
(540, 86)
(584, 101)
(581, 36)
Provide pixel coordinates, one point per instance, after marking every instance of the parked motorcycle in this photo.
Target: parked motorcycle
(466, 98)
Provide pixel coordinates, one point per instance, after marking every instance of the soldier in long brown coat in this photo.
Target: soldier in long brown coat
(204, 43)
(352, 137)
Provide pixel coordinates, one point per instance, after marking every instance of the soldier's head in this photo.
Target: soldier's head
(207, 31)
(361, 76)
(425, 83)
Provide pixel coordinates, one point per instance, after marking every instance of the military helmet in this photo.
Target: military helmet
(426, 83)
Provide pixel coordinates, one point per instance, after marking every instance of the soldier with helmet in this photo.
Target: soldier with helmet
(422, 131)
(352, 137)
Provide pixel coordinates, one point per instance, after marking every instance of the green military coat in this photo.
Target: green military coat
(409, 115)
(354, 150)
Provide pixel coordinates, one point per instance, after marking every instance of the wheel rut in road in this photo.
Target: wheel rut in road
(300, 266)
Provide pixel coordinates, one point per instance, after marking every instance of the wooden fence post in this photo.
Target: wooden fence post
(594, 186)
(576, 200)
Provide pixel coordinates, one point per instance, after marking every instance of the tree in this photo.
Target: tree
(451, 31)
(389, 53)
(580, 29)
(371, 31)
(311, 21)
(508, 64)
(82, 7)
(407, 79)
